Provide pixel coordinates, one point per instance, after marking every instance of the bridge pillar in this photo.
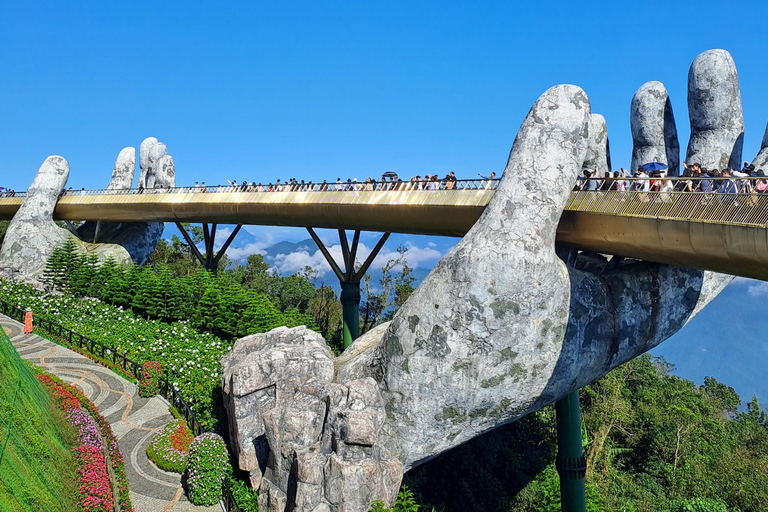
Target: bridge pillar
(350, 310)
(209, 260)
(570, 462)
(349, 279)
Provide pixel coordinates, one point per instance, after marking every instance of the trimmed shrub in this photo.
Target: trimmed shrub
(149, 381)
(170, 446)
(207, 466)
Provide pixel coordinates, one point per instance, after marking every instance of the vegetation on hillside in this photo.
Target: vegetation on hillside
(37, 471)
(653, 442)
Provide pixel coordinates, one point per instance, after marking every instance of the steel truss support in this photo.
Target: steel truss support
(209, 260)
(349, 278)
(570, 462)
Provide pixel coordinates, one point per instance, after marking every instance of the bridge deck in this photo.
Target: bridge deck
(722, 232)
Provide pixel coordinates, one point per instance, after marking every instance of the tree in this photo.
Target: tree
(394, 289)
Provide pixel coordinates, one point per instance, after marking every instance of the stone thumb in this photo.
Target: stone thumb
(32, 235)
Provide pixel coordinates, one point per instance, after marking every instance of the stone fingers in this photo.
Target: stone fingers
(598, 149)
(654, 134)
(124, 170)
(714, 107)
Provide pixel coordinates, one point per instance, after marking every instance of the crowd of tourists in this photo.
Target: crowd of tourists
(389, 181)
(695, 178)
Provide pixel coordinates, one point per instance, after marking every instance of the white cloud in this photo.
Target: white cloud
(258, 247)
(755, 288)
(295, 261)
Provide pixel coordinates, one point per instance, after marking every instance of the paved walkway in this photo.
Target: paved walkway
(132, 417)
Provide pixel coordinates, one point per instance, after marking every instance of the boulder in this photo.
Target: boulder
(654, 134)
(308, 443)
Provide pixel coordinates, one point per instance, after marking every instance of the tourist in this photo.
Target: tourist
(761, 185)
(727, 185)
(618, 185)
(641, 183)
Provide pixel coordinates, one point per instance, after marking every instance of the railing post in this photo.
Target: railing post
(570, 462)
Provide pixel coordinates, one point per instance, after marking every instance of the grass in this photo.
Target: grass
(37, 471)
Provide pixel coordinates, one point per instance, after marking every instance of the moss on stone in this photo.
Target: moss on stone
(493, 381)
(500, 308)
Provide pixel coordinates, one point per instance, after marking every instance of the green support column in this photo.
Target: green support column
(570, 462)
(350, 310)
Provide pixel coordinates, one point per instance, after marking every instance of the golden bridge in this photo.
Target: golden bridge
(720, 232)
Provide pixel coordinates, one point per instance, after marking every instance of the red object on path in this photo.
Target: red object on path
(28, 322)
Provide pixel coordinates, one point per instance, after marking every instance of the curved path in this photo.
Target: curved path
(132, 417)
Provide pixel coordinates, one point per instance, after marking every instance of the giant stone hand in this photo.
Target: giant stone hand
(32, 235)
(500, 328)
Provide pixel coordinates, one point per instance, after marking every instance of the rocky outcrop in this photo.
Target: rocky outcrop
(304, 439)
(654, 134)
(714, 107)
(598, 149)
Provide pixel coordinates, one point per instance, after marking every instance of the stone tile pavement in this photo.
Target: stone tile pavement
(133, 418)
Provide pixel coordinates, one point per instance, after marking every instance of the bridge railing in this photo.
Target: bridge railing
(479, 184)
(725, 201)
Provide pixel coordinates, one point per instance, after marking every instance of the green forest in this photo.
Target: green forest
(653, 441)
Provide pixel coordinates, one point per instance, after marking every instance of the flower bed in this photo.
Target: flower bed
(170, 446)
(95, 439)
(149, 383)
(207, 466)
(190, 359)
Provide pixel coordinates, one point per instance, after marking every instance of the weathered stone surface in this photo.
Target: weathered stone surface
(761, 160)
(124, 170)
(598, 149)
(654, 134)
(139, 239)
(499, 328)
(307, 442)
(150, 152)
(32, 235)
(714, 106)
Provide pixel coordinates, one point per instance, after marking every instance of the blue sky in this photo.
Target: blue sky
(323, 90)
(320, 90)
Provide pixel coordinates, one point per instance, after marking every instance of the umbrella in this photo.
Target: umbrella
(654, 166)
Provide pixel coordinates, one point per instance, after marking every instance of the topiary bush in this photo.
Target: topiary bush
(207, 466)
(149, 380)
(170, 446)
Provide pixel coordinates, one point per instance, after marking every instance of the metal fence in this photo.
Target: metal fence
(480, 184)
(743, 208)
(106, 353)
